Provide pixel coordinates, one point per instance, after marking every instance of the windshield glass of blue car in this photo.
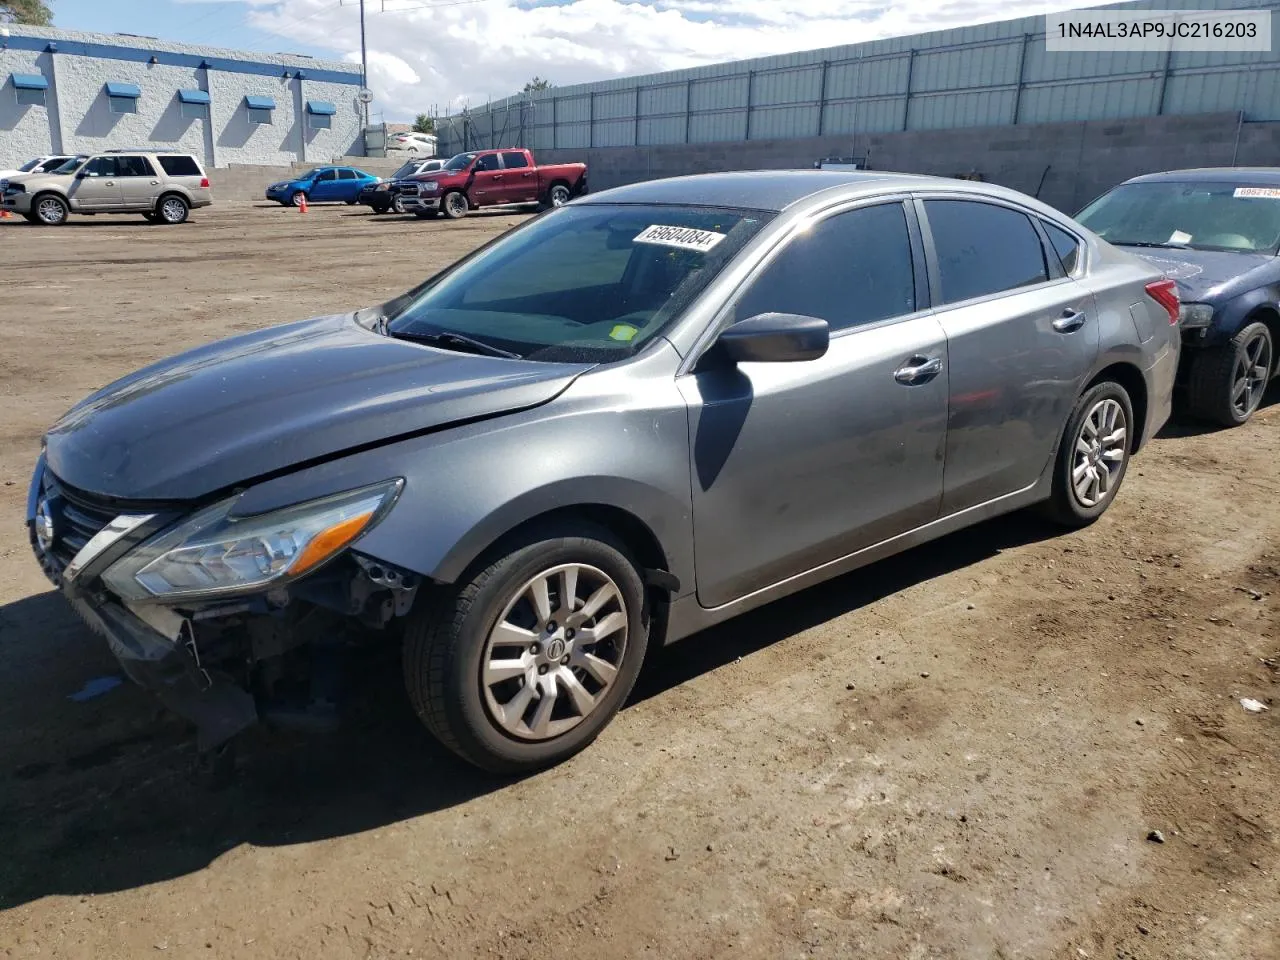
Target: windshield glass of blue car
(1232, 217)
(587, 283)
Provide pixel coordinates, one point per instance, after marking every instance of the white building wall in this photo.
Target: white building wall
(77, 115)
(26, 131)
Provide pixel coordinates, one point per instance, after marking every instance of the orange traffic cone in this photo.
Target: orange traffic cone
(302, 206)
(5, 214)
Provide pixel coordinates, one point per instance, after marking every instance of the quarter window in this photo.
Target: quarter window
(1065, 245)
(983, 249)
(849, 269)
(179, 165)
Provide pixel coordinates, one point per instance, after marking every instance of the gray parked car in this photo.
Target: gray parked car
(624, 421)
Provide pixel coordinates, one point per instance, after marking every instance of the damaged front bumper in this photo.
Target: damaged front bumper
(171, 669)
(221, 663)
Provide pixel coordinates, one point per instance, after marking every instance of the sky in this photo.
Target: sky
(427, 55)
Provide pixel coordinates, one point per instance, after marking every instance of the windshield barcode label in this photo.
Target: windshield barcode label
(687, 238)
(1268, 193)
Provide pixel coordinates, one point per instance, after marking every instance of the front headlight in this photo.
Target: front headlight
(383, 186)
(1193, 315)
(429, 185)
(214, 552)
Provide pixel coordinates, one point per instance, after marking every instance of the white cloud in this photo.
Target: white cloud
(446, 52)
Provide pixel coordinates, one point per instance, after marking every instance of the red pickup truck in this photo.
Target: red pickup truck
(489, 178)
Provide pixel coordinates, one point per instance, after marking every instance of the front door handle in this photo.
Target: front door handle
(154, 182)
(110, 183)
(526, 174)
(918, 370)
(1070, 321)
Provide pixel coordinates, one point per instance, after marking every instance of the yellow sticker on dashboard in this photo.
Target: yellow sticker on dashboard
(623, 331)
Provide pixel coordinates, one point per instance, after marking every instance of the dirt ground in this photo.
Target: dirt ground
(958, 753)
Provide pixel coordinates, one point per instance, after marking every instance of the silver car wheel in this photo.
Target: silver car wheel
(51, 211)
(559, 195)
(554, 652)
(1102, 446)
(397, 205)
(173, 210)
(1250, 381)
(457, 204)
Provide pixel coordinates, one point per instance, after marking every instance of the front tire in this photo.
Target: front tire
(51, 210)
(1093, 456)
(454, 205)
(1227, 382)
(397, 206)
(523, 664)
(297, 198)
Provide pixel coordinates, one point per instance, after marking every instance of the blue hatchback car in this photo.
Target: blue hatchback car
(322, 185)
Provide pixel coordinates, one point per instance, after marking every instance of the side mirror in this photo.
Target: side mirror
(82, 174)
(775, 338)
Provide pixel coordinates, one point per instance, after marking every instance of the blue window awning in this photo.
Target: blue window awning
(321, 108)
(260, 103)
(30, 81)
(130, 90)
(193, 96)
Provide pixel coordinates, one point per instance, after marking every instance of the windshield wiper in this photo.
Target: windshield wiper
(1146, 243)
(456, 341)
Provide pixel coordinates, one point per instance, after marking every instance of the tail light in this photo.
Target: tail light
(204, 183)
(1165, 293)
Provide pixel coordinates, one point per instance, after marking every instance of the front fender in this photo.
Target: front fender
(624, 446)
(1229, 319)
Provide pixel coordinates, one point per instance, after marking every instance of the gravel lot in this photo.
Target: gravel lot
(957, 753)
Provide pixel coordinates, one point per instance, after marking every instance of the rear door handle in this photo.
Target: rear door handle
(918, 370)
(1070, 321)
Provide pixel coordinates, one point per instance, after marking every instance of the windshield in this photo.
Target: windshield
(587, 283)
(71, 166)
(310, 174)
(406, 170)
(1203, 216)
(460, 162)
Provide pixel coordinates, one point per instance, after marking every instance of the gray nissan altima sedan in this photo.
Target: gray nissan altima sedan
(620, 423)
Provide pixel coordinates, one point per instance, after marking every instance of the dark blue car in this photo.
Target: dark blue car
(1216, 232)
(322, 185)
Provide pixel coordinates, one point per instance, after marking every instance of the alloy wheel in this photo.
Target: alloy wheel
(173, 210)
(559, 196)
(51, 211)
(457, 204)
(1249, 382)
(1101, 448)
(554, 652)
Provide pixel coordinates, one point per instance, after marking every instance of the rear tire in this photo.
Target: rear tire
(1227, 382)
(454, 205)
(171, 210)
(1098, 438)
(488, 706)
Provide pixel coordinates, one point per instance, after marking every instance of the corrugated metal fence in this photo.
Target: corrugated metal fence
(974, 76)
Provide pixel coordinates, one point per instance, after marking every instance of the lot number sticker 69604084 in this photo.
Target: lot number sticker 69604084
(686, 238)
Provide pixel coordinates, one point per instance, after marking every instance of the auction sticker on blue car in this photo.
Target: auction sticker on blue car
(686, 238)
(1253, 193)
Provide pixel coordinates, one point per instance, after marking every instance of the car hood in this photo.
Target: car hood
(30, 180)
(1202, 274)
(269, 401)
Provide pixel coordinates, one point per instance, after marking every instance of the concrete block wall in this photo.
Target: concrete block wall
(1067, 164)
(76, 115)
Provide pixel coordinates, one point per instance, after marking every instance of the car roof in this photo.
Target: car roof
(1268, 175)
(779, 189)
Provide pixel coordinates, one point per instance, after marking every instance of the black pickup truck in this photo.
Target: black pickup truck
(385, 196)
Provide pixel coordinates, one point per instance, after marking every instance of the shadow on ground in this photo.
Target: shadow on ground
(112, 803)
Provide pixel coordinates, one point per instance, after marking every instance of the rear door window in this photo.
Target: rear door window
(180, 166)
(514, 160)
(983, 249)
(347, 175)
(134, 167)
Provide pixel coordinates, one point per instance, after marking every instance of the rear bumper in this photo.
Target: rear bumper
(217, 705)
(1161, 377)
